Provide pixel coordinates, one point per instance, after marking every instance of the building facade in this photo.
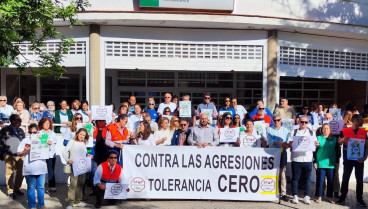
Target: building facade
(307, 51)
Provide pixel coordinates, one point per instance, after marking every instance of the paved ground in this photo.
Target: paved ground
(57, 200)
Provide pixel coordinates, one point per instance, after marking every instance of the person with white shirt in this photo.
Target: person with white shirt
(163, 135)
(239, 109)
(87, 115)
(167, 103)
(144, 136)
(70, 131)
(301, 162)
(250, 137)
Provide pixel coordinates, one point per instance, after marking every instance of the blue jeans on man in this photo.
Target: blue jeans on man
(36, 182)
(297, 169)
(321, 174)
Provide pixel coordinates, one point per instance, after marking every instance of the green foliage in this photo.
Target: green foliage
(31, 21)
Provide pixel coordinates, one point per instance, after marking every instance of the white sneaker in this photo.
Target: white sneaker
(307, 200)
(80, 204)
(295, 199)
(69, 207)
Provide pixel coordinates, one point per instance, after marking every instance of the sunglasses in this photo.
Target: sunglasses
(78, 118)
(227, 100)
(35, 132)
(277, 120)
(183, 124)
(236, 118)
(228, 118)
(113, 157)
(167, 97)
(2, 100)
(36, 108)
(207, 98)
(304, 122)
(261, 108)
(167, 111)
(151, 104)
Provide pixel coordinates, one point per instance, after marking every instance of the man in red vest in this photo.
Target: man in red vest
(354, 132)
(107, 172)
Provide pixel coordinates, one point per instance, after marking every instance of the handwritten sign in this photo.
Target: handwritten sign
(209, 113)
(355, 149)
(81, 166)
(304, 143)
(260, 127)
(116, 191)
(89, 128)
(102, 112)
(229, 135)
(336, 126)
(40, 150)
(336, 113)
(288, 123)
(185, 109)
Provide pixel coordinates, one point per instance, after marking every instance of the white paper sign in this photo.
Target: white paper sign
(89, 128)
(81, 166)
(225, 111)
(249, 141)
(102, 112)
(336, 126)
(40, 150)
(229, 135)
(336, 113)
(116, 191)
(355, 149)
(260, 126)
(191, 173)
(288, 123)
(304, 143)
(185, 109)
(209, 112)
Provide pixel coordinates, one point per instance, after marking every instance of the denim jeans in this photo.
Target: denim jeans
(359, 173)
(36, 182)
(301, 167)
(51, 171)
(321, 173)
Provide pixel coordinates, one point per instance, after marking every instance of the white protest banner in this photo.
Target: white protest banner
(225, 111)
(102, 112)
(250, 140)
(336, 126)
(288, 123)
(304, 143)
(116, 191)
(40, 150)
(229, 135)
(336, 113)
(185, 109)
(260, 126)
(209, 112)
(89, 128)
(81, 166)
(355, 149)
(219, 173)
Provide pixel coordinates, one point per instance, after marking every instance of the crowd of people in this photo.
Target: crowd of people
(132, 124)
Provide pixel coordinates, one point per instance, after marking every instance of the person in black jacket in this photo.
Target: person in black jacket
(10, 138)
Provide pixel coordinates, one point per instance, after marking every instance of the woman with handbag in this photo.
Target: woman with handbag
(77, 149)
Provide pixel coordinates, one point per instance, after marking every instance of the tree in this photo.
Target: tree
(31, 21)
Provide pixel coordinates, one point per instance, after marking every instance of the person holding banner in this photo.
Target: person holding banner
(250, 137)
(77, 149)
(206, 104)
(203, 135)
(359, 137)
(136, 117)
(278, 136)
(34, 171)
(144, 136)
(63, 116)
(226, 122)
(70, 131)
(163, 135)
(192, 119)
(227, 106)
(45, 127)
(107, 172)
(324, 162)
(301, 161)
(180, 137)
(262, 116)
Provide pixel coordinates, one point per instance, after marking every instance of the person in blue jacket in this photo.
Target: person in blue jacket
(255, 111)
(180, 136)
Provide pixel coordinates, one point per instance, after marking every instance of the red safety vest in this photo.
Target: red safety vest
(104, 130)
(116, 135)
(349, 132)
(107, 176)
(266, 118)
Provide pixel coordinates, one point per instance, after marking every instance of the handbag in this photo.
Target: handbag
(68, 168)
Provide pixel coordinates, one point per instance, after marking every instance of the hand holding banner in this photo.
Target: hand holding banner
(304, 143)
(40, 150)
(229, 135)
(81, 166)
(288, 123)
(101, 112)
(260, 126)
(116, 191)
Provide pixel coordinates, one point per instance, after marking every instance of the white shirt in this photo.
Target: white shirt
(250, 140)
(154, 126)
(164, 133)
(135, 120)
(84, 116)
(69, 135)
(241, 111)
(7, 110)
(301, 156)
(63, 118)
(52, 137)
(79, 151)
(98, 175)
(150, 141)
(162, 106)
(36, 167)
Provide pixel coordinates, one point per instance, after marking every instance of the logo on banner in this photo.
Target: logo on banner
(249, 141)
(116, 189)
(82, 164)
(101, 111)
(137, 184)
(334, 125)
(268, 185)
(304, 142)
(229, 133)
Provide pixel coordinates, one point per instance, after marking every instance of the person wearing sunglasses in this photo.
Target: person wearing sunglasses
(10, 138)
(278, 136)
(227, 106)
(306, 112)
(301, 162)
(255, 110)
(225, 122)
(262, 116)
(35, 115)
(63, 116)
(236, 121)
(165, 104)
(284, 110)
(180, 137)
(70, 131)
(5, 109)
(207, 105)
(239, 109)
(151, 109)
(107, 172)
